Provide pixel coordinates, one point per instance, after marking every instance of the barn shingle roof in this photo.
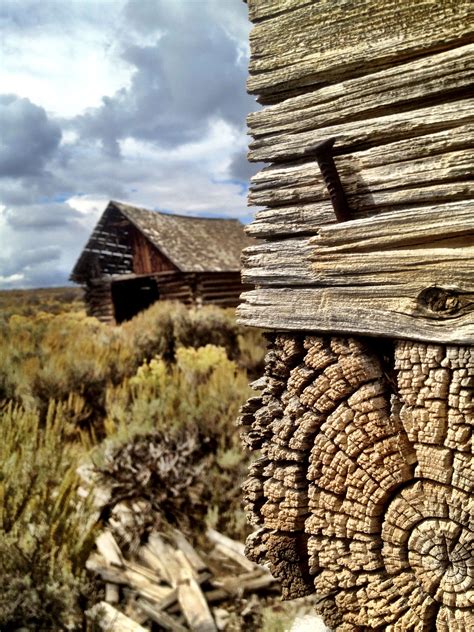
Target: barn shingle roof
(193, 244)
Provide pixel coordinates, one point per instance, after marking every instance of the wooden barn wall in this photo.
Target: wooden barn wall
(193, 289)
(392, 83)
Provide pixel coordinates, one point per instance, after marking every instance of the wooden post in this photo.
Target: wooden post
(362, 490)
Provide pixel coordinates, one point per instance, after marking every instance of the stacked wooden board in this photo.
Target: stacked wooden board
(362, 489)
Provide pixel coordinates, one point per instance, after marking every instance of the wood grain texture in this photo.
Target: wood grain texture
(362, 490)
(437, 76)
(364, 134)
(406, 274)
(365, 37)
(374, 310)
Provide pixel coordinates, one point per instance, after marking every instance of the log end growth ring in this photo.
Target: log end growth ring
(362, 490)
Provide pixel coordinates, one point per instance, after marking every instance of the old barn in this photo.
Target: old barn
(135, 257)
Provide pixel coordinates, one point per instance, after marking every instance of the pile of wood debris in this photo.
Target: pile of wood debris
(168, 585)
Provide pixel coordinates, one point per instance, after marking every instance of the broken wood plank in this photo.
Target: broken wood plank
(153, 561)
(109, 549)
(97, 564)
(190, 552)
(110, 619)
(191, 599)
(166, 621)
(112, 593)
(231, 549)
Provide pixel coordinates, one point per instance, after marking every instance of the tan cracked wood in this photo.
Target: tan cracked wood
(362, 491)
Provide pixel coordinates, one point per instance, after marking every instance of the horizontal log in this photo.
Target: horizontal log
(444, 176)
(432, 77)
(359, 135)
(414, 269)
(435, 244)
(398, 229)
(353, 39)
(379, 311)
(412, 262)
(291, 220)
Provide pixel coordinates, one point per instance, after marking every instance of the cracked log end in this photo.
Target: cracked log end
(362, 490)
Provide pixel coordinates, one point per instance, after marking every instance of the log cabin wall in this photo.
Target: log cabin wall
(362, 489)
(98, 299)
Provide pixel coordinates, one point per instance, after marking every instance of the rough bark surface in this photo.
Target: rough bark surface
(362, 490)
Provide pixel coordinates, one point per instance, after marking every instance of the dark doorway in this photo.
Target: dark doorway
(133, 296)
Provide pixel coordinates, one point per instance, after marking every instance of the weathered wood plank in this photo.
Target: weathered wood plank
(399, 229)
(262, 9)
(378, 311)
(109, 619)
(353, 39)
(436, 244)
(192, 601)
(304, 183)
(291, 220)
(358, 135)
(287, 264)
(415, 264)
(307, 219)
(432, 77)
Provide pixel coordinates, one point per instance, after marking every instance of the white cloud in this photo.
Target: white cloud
(159, 90)
(65, 67)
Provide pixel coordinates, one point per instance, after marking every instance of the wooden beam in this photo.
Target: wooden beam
(388, 312)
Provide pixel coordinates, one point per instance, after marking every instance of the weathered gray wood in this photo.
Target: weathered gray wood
(166, 621)
(286, 54)
(192, 601)
(287, 264)
(433, 76)
(413, 249)
(262, 9)
(231, 549)
(399, 229)
(355, 135)
(379, 311)
(306, 219)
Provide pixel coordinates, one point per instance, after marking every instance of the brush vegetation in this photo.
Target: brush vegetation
(73, 390)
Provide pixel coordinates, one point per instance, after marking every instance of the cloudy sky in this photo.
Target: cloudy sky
(137, 100)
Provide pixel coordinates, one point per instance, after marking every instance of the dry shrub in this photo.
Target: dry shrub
(197, 396)
(165, 471)
(46, 533)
